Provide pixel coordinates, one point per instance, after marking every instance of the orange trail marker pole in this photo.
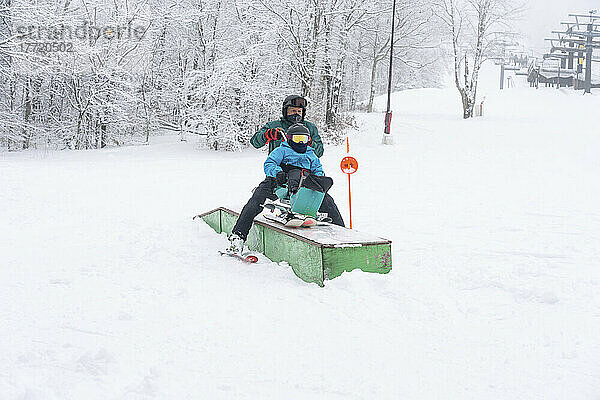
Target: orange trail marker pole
(350, 201)
(349, 165)
(349, 191)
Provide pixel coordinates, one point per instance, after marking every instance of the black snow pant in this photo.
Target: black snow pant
(266, 190)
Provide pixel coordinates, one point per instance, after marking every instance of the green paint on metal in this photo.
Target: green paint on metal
(374, 258)
(304, 258)
(213, 220)
(254, 241)
(311, 260)
(227, 222)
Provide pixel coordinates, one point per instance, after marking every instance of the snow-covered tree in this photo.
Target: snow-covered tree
(112, 72)
(414, 45)
(473, 26)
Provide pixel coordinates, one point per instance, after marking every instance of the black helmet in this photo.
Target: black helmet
(293, 100)
(298, 137)
(297, 129)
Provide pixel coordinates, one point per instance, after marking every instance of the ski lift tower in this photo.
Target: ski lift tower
(592, 32)
(502, 60)
(581, 37)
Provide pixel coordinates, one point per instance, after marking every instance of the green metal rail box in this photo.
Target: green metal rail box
(316, 254)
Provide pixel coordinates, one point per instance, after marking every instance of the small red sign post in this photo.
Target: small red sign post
(349, 165)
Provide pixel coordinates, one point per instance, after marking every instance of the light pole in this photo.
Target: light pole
(387, 133)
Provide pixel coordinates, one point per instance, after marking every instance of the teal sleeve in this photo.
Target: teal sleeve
(317, 143)
(318, 146)
(259, 139)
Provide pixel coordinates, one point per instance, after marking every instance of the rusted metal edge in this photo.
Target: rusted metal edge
(337, 246)
(294, 235)
(264, 224)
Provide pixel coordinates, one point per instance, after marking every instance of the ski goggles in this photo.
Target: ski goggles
(298, 102)
(300, 138)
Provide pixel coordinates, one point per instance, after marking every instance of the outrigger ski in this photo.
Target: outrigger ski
(250, 259)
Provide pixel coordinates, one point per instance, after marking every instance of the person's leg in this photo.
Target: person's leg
(253, 207)
(328, 206)
(294, 177)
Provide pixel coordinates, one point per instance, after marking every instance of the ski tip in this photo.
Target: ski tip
(249, 259)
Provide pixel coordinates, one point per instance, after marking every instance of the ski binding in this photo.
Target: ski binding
(281, 211)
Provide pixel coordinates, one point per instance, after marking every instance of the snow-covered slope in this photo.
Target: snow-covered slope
(110, 291)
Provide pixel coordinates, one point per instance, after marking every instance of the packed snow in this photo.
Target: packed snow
(111, 291)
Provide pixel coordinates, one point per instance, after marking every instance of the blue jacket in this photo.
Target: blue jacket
(284, 154)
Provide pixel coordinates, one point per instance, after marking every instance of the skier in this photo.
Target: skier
(293, 155)
(293, 111)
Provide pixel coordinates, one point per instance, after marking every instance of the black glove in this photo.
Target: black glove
(274, 134)
(281, 178)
